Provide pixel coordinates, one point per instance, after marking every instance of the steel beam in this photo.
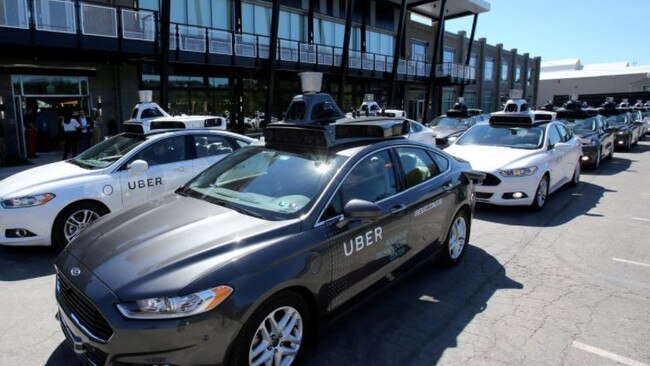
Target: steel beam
(346, 49)
(469, 51)
(437, 50)
(165, 16)
(270, 88)
(396, 55)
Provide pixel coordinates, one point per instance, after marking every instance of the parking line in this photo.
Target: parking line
(641, 219)
(612, 356)
(631, 262)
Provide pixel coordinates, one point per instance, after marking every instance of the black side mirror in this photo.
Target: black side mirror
(359, 210)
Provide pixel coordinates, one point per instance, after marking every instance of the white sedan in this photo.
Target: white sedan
(52, 204)
(524, 162)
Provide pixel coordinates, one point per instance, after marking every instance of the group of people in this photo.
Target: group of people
(76, 132)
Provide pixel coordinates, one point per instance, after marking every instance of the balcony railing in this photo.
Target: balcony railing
(456, 71)
(86, 18)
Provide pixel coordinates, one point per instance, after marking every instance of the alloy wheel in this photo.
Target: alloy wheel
(277, 339)
(542, 192)
(457, 238)
(77, 222)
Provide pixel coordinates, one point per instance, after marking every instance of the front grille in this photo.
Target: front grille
(441, 142)
(491, 180)
(483, 196)
(92, 356)
(84, 311)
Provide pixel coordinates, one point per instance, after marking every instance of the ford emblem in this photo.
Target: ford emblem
(75, 271)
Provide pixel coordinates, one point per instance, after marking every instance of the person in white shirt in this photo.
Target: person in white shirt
(71, 129)
(86, 130)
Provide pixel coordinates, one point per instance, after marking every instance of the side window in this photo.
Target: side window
(169, 150)
(213, 122)
(417, 165)
(211, 145)
(241, 143)
(553, 136)
(415, 127)
(565, 135)
(150, 113)
(372, 179)
(441, 161)
(374, 107)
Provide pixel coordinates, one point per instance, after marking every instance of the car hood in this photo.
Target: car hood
(585, 134)
(442, 132)
(29, 181)
(492, 158)
(162, 246)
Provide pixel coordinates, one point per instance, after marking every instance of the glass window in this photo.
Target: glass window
(489, 69)
(149, 4)
(150, 113)
(417, 166)
(418, 50)
(581, 125)
(379, 43)
(441, 161)
(472, 60)
(106, 152)
(448, 98)
(504, 70)
(553, 136)
(529, 78)
(167, 151)
(290, 26)
(198, 12)
(51, 85)
(256, 19)
(444, 121)
(565, 135)
(212, 145)
(373, 179)
(178, 11)
(518, 74)
(448, 55)
(221, 14)
(505, 136)
(487, 102)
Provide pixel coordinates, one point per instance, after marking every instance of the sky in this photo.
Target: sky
(595, 31)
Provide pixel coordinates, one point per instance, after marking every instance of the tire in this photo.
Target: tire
(457, 239)
(83, 213)
(541, 194)
(253, 332)
(575, 179)
(610, 156)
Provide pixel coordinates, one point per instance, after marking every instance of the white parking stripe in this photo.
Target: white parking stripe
(631, 262)
(612, 356)
(641, 219)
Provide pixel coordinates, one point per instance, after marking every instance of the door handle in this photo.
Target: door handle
(448, 187)
(398, 210)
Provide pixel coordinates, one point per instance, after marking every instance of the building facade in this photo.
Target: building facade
(216, 57)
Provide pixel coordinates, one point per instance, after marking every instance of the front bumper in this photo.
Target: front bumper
(502, 193)
(589, 154)
(202, 339)
(622, 140)
(36, 221)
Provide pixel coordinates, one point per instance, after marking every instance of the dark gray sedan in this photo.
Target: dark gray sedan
(241, 264)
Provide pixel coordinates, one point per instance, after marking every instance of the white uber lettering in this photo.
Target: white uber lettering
(361, 241)
(369, 238)
(345, 246)
(378, 234)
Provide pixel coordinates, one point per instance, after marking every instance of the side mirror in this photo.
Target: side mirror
(138, 166)
(359, 210)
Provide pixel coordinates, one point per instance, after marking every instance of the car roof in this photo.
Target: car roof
(158, 134)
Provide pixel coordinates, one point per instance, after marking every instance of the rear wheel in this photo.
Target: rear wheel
(73, 219)
(541, 194)
(275, 334)
(457, 239)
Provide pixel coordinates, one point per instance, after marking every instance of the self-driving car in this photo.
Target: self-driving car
(637, 114)
(526, 156)
(449, 127)
(596, 136)
(53, 203)
(241, 264)
(627, 131)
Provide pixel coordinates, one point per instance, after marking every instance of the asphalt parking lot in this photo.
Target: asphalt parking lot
(566, 286)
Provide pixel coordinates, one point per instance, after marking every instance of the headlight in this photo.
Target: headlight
(521, 172)
(175, 307)
(28, 201)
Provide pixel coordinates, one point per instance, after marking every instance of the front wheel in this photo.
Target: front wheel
(73, 219)
(576, 173)
(457, 239)
(275, 334)
(596, 163)
(541, 194)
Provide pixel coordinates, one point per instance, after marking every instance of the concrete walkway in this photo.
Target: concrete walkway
(40, 159)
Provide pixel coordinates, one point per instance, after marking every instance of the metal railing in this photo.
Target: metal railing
(55, 16)
(14, 14)
(456, 71)
(98, 20)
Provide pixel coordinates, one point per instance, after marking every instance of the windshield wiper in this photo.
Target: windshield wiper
(79, 164)
(238, 209)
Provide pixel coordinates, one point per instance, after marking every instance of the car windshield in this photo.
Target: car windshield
(504, 136)
(617, 120)
(107, 152)
(444, 121)
(581, 125)
(258, 181)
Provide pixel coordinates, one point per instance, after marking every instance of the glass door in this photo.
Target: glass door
(19, 102)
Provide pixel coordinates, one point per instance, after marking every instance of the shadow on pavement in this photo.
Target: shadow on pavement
(562, 206)
(63, 355)
(416, 320)
(611, 167)
(21, 263)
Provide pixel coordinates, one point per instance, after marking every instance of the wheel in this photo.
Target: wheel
(611, 154)
(457, 239)
(541, 194)
(629, 144)
(576, 173)
(73, 219)
(275, 334)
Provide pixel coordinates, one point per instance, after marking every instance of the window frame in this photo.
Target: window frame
(190, 152)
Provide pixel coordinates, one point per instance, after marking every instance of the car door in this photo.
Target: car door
(365, 252)
(169, 167)
(569, 149)
(430, 195)
(210, 148)
(606, 138)
(555, 162)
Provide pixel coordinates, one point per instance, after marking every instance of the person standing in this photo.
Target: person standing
(112, 127)
(86, 124)
(71, 128)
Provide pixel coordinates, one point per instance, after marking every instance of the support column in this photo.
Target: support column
(537, 64)
(480, 72)
(165, 16)
(310, 20)
(238, 16)
(437, 50)
(396, 55)
(524, 77)
(496, 104)
(346, 50)
(270, 88)
(469, 51)
(513, 68)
